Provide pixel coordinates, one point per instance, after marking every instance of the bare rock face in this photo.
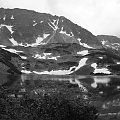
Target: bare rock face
(44, 44)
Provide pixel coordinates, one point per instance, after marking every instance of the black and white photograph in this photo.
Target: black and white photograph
(59, 60)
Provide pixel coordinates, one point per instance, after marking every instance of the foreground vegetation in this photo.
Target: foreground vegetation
(44, 107)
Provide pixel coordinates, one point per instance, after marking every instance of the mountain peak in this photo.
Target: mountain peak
(26, 26)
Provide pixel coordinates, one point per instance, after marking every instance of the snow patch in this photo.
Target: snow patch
(100, 70)
(38, 41)
(26, 71)
(64, 32)
(104, 42)
(57, 72)
(12, 17)
(13, 42)
(45, 56)
(118, 63)
(52, 24)
(4, 17)
(12, 50)
(23, 57)
(118, 87)
(100, 57)
(34, 24)
(82, 62)
(2, 46)
(37, 56)
(84, 44)
(84, 52)
(54, 58)
(8, 26)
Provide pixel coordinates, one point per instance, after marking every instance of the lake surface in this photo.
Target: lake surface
(102, 91)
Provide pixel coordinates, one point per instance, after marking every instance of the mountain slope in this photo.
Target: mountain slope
(47, 44)
(27, 27)
(108, 41)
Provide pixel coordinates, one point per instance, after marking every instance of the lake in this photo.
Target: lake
(102, 91)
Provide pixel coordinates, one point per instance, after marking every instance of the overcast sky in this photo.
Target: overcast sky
(97, 16)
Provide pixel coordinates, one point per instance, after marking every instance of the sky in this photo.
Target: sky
(97, 16)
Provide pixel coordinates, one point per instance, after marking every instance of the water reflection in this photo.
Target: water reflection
(105, 85)
(107, 88)
(100, 80)
(33, 78)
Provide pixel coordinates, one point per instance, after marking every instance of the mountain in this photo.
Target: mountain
(112, 45)
(45, 44)
(108, 41)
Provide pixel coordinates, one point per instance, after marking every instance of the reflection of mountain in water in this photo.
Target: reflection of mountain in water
(112, 83)
(103, 88)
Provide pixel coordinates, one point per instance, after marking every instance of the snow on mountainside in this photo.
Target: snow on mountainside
(44, 44)
(29, 28)
(112, 42)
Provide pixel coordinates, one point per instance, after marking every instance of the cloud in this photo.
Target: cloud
(37, 5)
(98, 16)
